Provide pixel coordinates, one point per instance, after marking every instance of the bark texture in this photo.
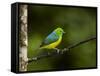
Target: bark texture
(23, 38)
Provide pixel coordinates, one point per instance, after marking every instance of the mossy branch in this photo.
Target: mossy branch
(61, 51)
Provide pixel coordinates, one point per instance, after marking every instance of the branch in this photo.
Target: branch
(59, 51)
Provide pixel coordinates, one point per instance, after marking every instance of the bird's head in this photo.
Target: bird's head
(59, 31)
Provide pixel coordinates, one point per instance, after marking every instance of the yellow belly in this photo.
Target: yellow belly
(53, 45)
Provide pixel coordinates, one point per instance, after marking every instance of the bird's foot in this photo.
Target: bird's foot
(57, 50)
(64, 50)
(61, 50)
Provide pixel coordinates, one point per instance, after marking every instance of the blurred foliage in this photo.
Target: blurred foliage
(79, 23)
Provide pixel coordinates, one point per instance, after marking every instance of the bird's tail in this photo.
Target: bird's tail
(41, 48)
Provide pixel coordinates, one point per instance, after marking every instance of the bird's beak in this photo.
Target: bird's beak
(64, 32)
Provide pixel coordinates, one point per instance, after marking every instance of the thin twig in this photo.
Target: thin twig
(62, 51)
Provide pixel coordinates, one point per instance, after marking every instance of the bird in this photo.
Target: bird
(53, 39)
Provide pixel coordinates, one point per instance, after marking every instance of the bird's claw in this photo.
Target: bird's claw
(57, 50)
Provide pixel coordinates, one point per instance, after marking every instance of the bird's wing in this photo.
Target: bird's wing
(50, 39)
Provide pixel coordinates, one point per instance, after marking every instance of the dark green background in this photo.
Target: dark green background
(79, 23)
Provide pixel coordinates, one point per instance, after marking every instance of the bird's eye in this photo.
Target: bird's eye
(60, 31)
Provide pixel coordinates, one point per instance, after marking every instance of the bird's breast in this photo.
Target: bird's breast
(54, 44)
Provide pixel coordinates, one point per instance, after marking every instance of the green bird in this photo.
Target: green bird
(53, 39)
